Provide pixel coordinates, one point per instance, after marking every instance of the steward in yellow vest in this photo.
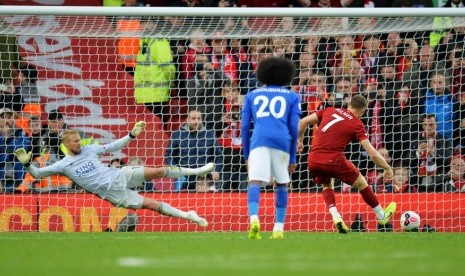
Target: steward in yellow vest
(154, 74)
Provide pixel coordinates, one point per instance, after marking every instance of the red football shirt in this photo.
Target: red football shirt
(338, 126)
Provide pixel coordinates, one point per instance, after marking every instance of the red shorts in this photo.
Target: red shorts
(342, 169)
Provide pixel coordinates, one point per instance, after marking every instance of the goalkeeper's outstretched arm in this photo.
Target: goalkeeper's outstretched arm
(121, 143)
(25, 159)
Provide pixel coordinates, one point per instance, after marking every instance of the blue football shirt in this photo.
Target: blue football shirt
(275, 112)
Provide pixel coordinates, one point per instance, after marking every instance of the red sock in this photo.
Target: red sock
(329, 198)
(369, 197)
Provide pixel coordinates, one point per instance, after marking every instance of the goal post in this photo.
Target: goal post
(104, 68)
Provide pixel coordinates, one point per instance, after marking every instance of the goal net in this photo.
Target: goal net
(186, 72)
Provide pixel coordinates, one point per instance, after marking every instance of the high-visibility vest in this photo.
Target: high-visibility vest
(50, 183)
(129, 31)
(113, 3)
(439, 23)
(154, 72)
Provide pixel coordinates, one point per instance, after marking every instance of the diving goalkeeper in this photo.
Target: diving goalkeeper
(83, 166)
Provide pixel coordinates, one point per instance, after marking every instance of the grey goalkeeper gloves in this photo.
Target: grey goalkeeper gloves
(138, 127)
(23, 156)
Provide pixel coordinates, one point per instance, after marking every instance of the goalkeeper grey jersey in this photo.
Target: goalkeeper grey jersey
(86, 169)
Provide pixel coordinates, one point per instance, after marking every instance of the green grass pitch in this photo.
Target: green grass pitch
(231, 254)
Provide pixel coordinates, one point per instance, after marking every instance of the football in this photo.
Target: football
(410, 221)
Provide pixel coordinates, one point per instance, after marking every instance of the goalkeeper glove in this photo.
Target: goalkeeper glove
(138, 127)
(23, 156)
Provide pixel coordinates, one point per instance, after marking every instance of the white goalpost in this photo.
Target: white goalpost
(101, 69)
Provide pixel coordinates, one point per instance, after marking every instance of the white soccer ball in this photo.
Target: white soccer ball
(410, 221)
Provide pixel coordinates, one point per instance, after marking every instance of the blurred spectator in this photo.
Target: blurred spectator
(345, 52)
(366, 3)
(242, 60)
(401, 181)
(51, 138)
(192, 145)
(264, 3)
(394, 44)
(129, 29)
(283, 46)
(428, 153)
(197, 45)
(379, 118)
(354, 72)
(340, 97)
(230, 24)
(455, 179)
(370, 55)
(387, 77)
(406, 57)
(221, 58)
(11, 139)
(440, 102)
(154, 74)
(459, 132)
(254, 48)
(412, 3)
(326, 4)
(204, 92)
(406, 121)
(205, 184)
(456, 70)
(418, 75)
(35, 132)
(55, 183)
(9, 98)
(28, 90)
(116, 163)
(234, 174)
(252, 81)
(189, 3)
(305, 69)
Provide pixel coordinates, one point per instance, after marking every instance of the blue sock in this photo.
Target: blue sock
(253, 198)
(281, 202)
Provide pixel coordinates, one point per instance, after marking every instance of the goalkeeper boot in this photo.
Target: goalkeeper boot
(204, 170)
(192, 216)
(340, 225)
(277, 235)
(254, 231)
(388, 213)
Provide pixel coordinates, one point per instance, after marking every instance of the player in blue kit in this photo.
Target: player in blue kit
(271, 151)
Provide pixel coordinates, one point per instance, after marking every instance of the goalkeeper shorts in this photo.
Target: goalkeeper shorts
(120, 195)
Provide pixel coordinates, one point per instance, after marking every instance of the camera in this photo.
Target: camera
(199, 66)
(235, 113)
(339, 99)
(3, 87)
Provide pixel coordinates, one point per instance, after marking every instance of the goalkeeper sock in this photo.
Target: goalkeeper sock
(168, 210)
(253, 198)
(281, 203)
(176, 171)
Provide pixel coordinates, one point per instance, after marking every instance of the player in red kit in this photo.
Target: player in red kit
(337, 127)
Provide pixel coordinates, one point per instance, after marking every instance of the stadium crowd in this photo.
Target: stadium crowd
(414, 83)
